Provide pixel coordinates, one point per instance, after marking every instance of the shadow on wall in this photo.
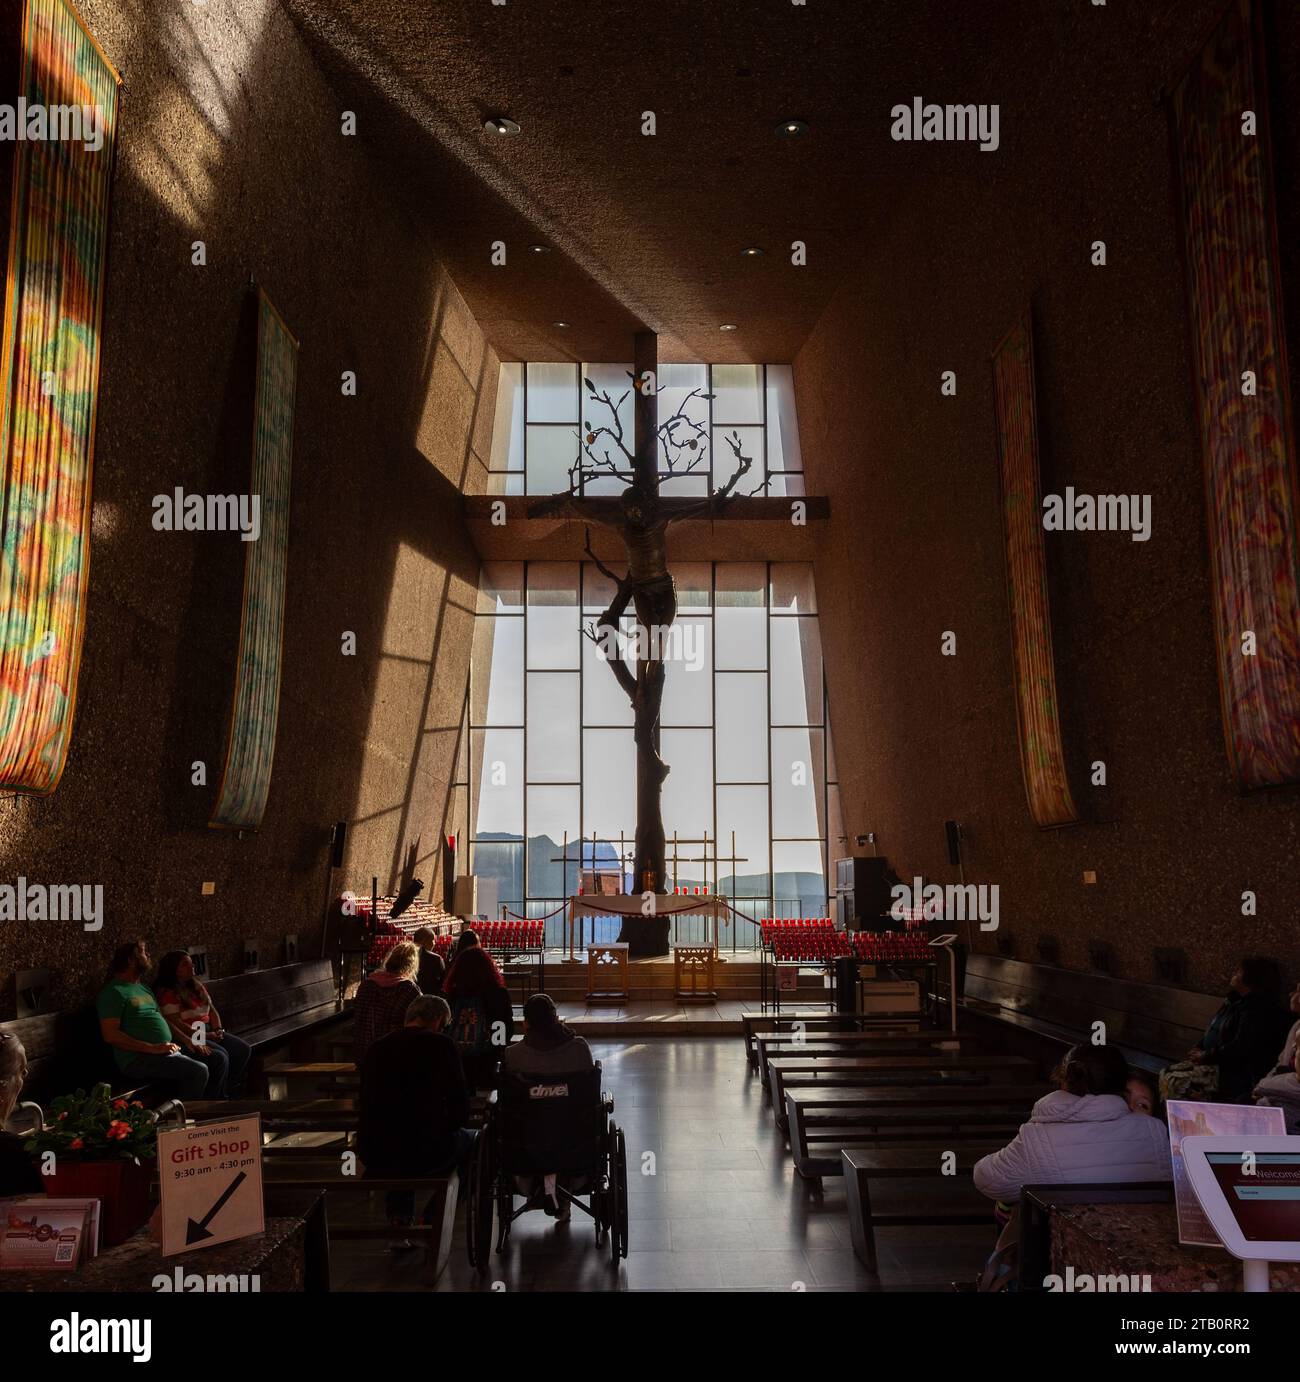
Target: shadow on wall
(377, 545)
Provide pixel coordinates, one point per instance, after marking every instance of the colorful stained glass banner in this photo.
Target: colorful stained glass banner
(49, 364)
(246, 780)
(1219, 117)
(1042, 758)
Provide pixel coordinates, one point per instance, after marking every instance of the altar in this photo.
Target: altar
(647, 920)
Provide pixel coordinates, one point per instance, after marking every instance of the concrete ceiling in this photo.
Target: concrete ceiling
(649, 231)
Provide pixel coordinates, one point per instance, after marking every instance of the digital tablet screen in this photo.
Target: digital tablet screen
(1265, 1202)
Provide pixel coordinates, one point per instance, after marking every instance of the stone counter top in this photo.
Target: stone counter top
(1142, 1240)
(276, 1258)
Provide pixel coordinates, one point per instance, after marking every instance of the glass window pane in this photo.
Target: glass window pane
(744, 810)
(501, 587)
(694, 581)
(499, 783)
(726, 462)
(497, 672)
(685, 486)
(688, 685)
(508, 421)
(741, 617)
(783, 451)
(598, 590)
(792, 588)
(609, 784)
(785, 486)
(499, 867)
(551, 812)
(688, 788)
(741, 730)
(738, 393)
(553, 630)
(682, 390)
(554, 740)
(796, 672)
(798, 784)
(799, 879)
(553, 393)
(501, 483)
(551, 453)
(615, 381)
(604, 701)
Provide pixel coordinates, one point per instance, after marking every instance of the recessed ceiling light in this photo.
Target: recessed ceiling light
(499, 124)
(792, 129)
(752, 252)
(540, 249)
(727, 326)
(560, 324)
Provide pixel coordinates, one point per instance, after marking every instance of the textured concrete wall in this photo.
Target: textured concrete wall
(230, 135)
(914, 546)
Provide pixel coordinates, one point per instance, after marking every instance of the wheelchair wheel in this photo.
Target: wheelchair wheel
(620, 1191)
(478, 1213)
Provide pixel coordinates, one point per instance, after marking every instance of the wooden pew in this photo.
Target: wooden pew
(822, 1021)
(325, 1174)
(821, 1122)
(824, 1048)
(1041, 1010)
(831, 1072)
(917, 1161)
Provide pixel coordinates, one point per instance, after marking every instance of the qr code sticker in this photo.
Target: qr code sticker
(63, 1253)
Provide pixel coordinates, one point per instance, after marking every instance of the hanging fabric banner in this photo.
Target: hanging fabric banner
(49, 364)
(246, 779)
(1042, 758)
(1219, 121)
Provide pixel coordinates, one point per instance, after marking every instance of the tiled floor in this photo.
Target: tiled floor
(714, 1203)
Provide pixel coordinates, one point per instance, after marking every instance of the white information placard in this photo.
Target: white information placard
(210, 1176)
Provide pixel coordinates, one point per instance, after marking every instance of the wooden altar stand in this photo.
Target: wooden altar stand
(694, 972)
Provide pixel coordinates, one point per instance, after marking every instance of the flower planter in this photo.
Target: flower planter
(122, 1187)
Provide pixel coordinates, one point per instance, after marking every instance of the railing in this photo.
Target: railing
(736, 933)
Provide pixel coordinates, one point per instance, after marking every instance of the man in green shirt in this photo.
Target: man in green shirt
(130, 1022)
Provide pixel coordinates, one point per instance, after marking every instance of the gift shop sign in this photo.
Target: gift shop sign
(211, 1182)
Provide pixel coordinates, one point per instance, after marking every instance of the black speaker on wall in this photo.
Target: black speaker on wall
(338, 842)
(448, 873)
(953, 832)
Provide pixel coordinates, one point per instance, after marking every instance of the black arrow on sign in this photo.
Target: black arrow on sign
(196, 1233)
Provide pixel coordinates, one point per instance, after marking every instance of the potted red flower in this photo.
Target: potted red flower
(104, 1148)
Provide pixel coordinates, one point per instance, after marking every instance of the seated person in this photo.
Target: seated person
(482, 1015)
(1082, 1131)
(1142, 1094)
(18, 1173)
(1286, 1057)
(433, 967)
(196, 1026)
(414, 1104)
(1240, 1044)
(548, 1047)
(1283, 1091)
(383, 997)
(131, 1023)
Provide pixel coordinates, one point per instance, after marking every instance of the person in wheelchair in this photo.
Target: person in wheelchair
(548, 1048)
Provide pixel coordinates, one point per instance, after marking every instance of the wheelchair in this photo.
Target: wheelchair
(542, 1124)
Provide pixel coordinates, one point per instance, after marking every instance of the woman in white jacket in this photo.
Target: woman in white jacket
(1083, 1131)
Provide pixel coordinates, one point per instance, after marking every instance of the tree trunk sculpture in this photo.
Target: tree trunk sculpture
(648, 586)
